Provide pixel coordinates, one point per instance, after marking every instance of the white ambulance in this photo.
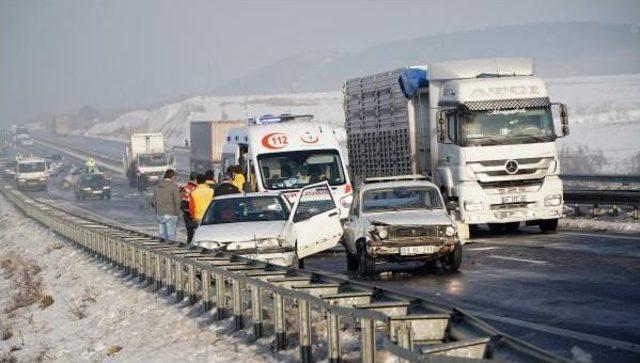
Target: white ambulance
(286, 153)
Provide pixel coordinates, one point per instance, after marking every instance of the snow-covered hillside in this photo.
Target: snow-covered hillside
(604, 114)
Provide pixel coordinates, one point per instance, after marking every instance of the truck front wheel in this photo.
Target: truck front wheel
(549, 225)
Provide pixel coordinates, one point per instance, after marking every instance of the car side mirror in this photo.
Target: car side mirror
(452, 205)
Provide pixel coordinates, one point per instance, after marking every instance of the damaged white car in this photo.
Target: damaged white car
(266, 227)
(400, 220)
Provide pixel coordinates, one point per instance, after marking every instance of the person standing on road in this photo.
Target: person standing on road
(200, 199)
(189, 224)
(210, 180)
(166, 201)
(238, 177)
(227, 186)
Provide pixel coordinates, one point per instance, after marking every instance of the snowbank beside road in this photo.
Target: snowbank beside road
(92, 314)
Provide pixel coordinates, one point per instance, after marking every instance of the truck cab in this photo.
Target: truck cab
(31, 174)
(145, 159)
(286, 153)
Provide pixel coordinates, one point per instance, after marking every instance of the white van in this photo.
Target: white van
(31, 173)
(286, 153)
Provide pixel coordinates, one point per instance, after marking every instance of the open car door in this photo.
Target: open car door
(316, 220)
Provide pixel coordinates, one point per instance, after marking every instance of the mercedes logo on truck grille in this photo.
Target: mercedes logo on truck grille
(511, 167)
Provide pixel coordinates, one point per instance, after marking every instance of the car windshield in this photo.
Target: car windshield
(31, 167)
(296, 169)
(92, 178)
(153, 159)
(246, 209)
(513, 126)
(401, 198)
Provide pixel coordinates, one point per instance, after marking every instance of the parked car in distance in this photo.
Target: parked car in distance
(266, 227)
(399, 219)
(69, 181)
(92, 185)
(9, 169)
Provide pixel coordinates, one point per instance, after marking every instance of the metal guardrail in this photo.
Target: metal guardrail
(410, 328)
(622, 197)
(602, 178)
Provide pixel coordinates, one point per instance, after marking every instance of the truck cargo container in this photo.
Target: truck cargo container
(207, 137)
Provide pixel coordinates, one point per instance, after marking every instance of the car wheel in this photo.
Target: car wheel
(549, 225)
(109, 196)
(352, 262)
(102, 197)
(366, 265)
(451, 261)
(77, 196)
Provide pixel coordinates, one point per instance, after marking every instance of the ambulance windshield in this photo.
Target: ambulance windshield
(296, 169)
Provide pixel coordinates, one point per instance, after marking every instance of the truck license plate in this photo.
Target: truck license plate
(417, 250)
(513, 199)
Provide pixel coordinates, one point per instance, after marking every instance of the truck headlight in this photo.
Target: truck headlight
(471, 205)
(553, 200)
(449, 231)
(346, 201)
(553, 165)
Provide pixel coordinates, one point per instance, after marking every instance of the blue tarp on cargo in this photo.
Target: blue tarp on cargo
(411, 80)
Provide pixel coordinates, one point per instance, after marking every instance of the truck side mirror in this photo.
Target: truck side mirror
(441, 126)
(560, 119)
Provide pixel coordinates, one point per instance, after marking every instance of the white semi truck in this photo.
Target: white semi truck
(145, 159)
(288, 152)
(207, 138)
(483, 129)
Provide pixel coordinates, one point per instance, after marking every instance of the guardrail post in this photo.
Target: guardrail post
(278, 305)
(168, 275)
(237, 305)
(305, 330)
(577, 210)
(206, 293)
(191, 282)
(403, 337)
(256, 312)
(368, 337)
(142, 270)
(636, 213)
(179, 281)
(220, 297)
(595, 209)
(333, 337)
(157, 275)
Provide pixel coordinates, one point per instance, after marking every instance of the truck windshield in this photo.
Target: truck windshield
(514, 126)
(296, 169)
(31, 167)
(153, 160)
(400, 198)
(246, 209)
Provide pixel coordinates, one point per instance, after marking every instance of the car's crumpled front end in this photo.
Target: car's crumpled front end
(410, 241)
(275, 250)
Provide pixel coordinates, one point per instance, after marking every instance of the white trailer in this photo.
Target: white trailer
(207, 137)
(145, 159)
(483, 129)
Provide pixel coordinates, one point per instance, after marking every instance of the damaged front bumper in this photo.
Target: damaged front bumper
(277, 255)
(407, 249)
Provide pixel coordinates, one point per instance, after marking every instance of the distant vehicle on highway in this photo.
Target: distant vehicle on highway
(207, 139)
(265, 226)
(145, 159)
(9, 169)
(70, 179)
(400, 219)
(94, 185)
(31, 173)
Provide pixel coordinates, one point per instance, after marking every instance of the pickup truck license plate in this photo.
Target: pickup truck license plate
(513, 199)
(417, 250)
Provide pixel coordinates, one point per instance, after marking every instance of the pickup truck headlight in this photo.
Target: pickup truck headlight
(380, 231)
(346, 201)
(106, 187)
(22, 180)
(87, 188)
(42, 179)
(449, 231)
(553, 200)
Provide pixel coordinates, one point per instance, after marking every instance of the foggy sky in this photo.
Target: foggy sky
(60, 55)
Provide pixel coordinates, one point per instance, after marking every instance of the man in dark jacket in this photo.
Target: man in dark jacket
(166, 201)
(226, 187)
